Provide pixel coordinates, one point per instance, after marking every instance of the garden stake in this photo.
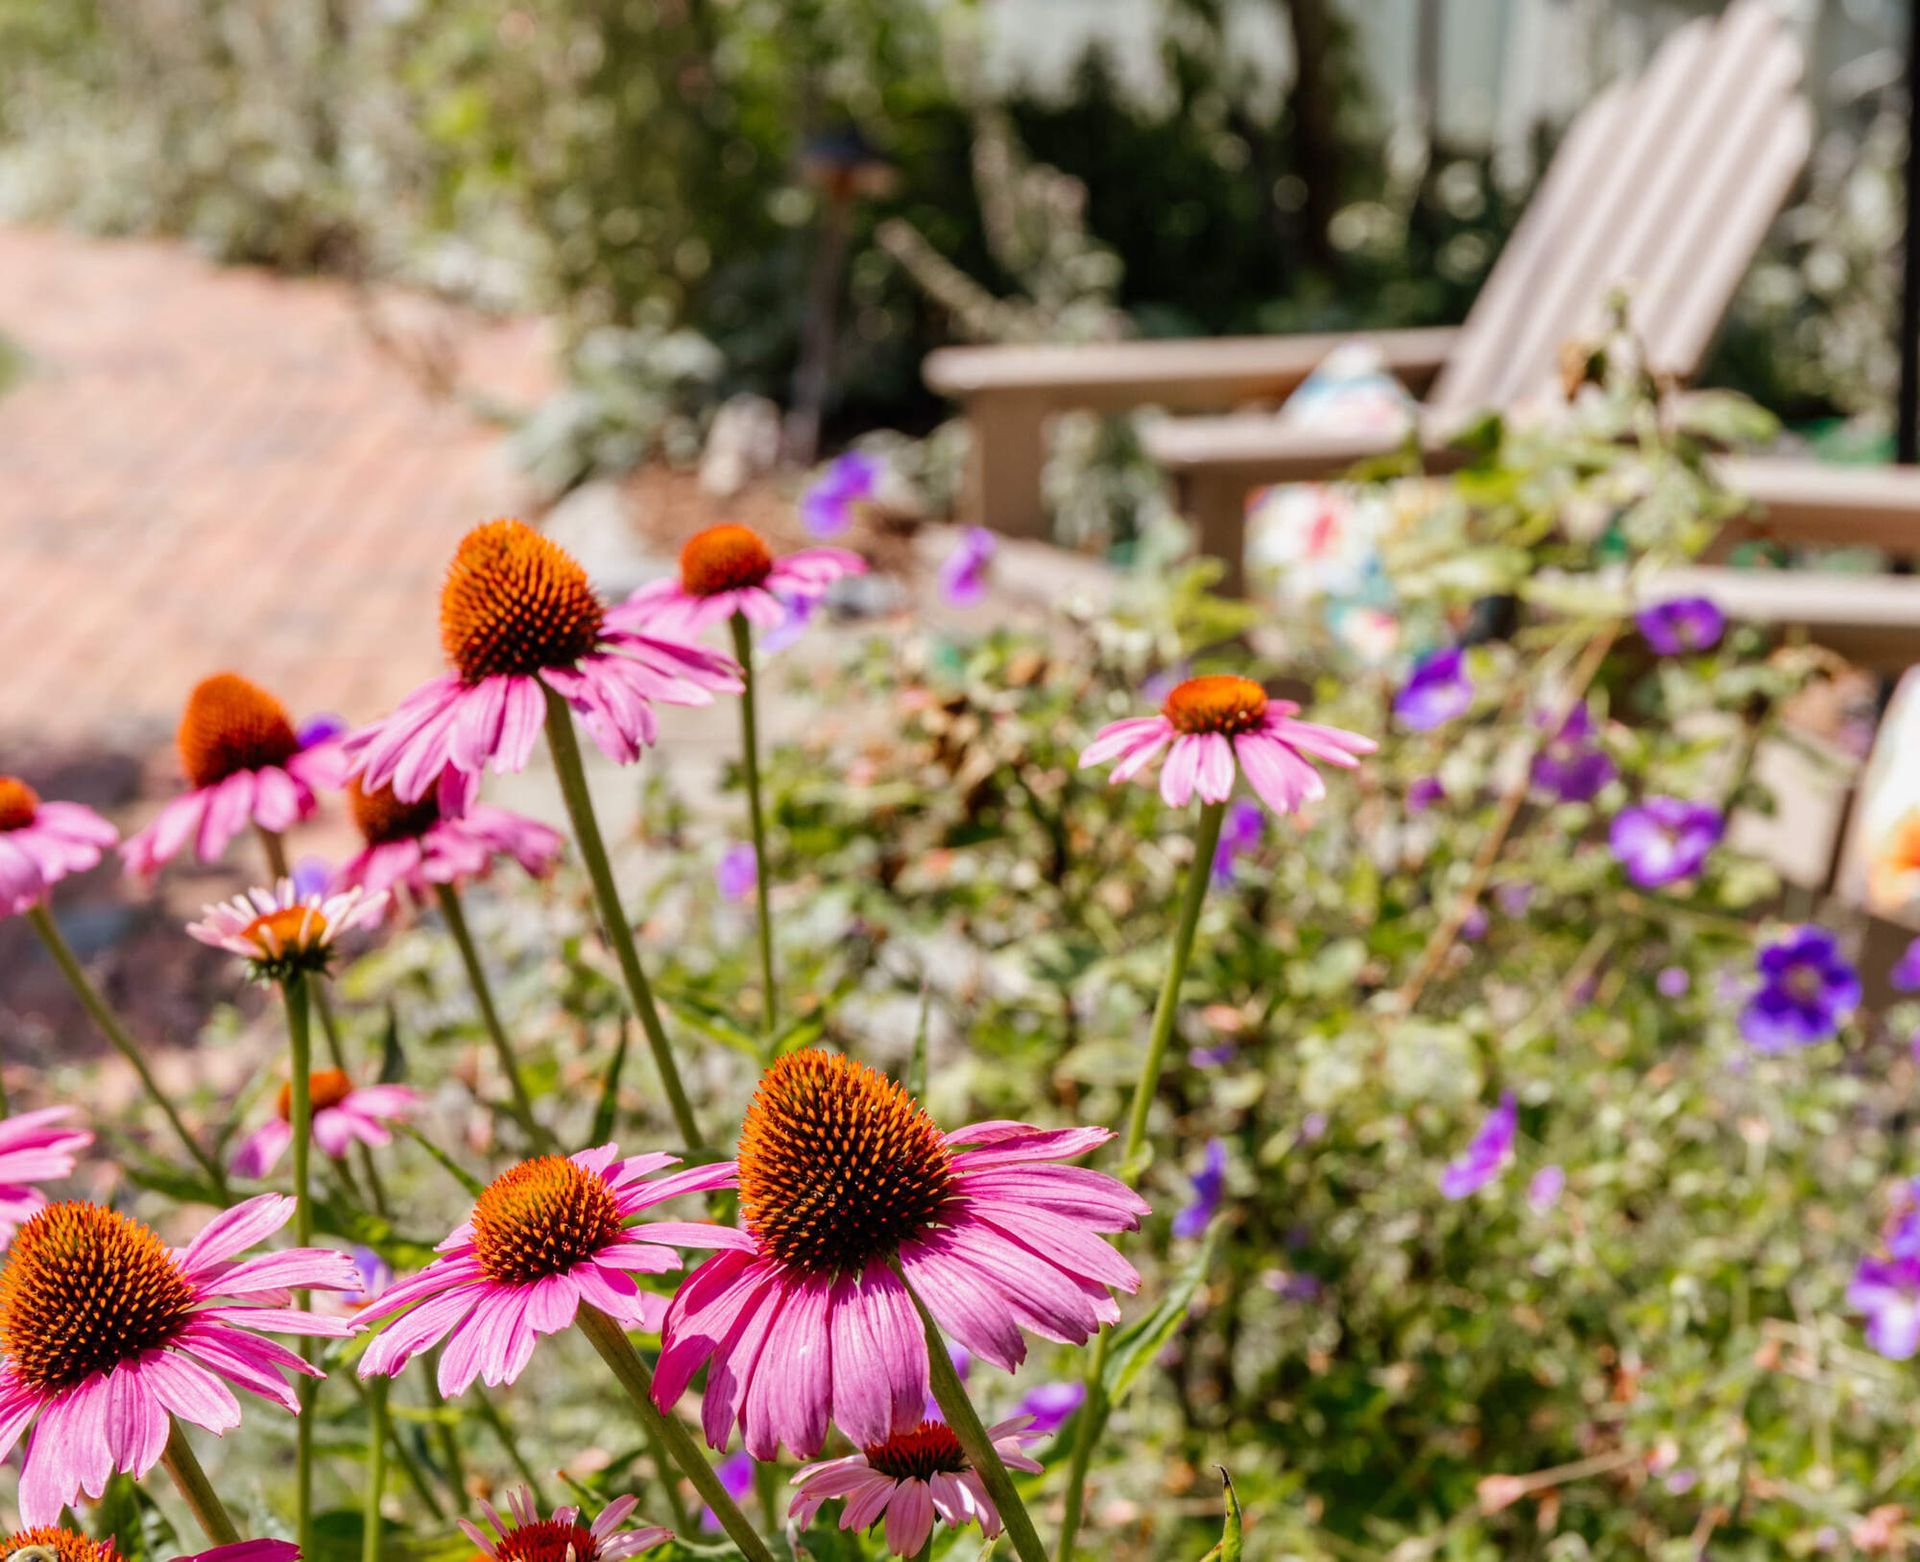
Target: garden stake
(613, 919)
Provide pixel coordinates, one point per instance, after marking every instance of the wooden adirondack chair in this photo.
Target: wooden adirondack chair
(1665, 185)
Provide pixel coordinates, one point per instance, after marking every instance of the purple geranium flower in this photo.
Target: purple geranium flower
(963, 577)
(1905, 975)
(1487, 1156)
(1159, 685)
(1683, 625)
(737, 872)
(1672, 982)
(1903, 1232)
(1051, 1405)
(1887, 1290)
(1208, 1185)
(1806, 990)
(1570, 764)
(1424, 793)
(826, 508)
(1240, 833)
(1664, 839)
(736, 1478)
(1436, 691)
(1544, 1189)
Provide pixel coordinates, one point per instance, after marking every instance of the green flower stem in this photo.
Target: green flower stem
(110, 1027)
(613, 919)
(300, 1116)
(617, 1351)
(208, 1511)
(376, 1470)
(456, 919)
(750, 755)
(1092, 1418)
(503, 1432)
(443, 1429)
(951, 1395)
(397, 1448)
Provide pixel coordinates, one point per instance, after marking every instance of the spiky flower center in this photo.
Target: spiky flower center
(515, 602)
(838, 1165)
(541, 1218)
(232, 725)
(548, 1540)
(927, 1450)
(85, 1289)
(50, 1543)
(288, 931)
(326, 1087)
(723, 558)
(18, 804)
(382, 817)
(1219, 702)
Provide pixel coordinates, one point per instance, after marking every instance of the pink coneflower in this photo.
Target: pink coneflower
(413, 847)
(1214, 721)
(280, 932)
(343, 1113)
(245, 764)
(41, 843)
(844, 1175)
(517, 617)
(544, 1237)
(728, 569)
(105, 1332)
(909, 1478)
(563, 1538)
(34, 1147)
(52, 1543)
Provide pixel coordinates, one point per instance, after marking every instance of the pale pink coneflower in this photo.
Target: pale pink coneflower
(911, 1478)
(35, 1147)
(245, 764)
(729, 569)
(843, 1177)
(1220, 724)
(41, 843)
(344, 1114)
(106, 1333)
(518, 617)
(544, 1237)
(413, 848)
(280, 932)
(524, 1536)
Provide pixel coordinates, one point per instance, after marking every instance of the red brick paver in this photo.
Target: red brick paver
(209, 467)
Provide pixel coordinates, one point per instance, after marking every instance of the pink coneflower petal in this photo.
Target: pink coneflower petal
(42, 843)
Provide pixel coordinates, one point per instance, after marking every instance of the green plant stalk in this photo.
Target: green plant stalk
(503, 1432)
(565, 747)
(109, 1026)
(1092, 1419)
(376, 1470)
(750, 755)
(208, 1511)
(456, 918)
(951, 1395)
(443, 1430)
(300, 1114)
(617, 1351)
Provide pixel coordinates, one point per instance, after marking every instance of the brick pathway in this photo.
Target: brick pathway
(209, 467)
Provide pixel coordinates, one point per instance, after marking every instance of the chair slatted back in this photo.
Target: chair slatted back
(1663, 187)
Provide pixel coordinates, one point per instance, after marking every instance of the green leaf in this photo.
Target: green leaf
(393, 1058)
(133, 1521)
(472, 1184)
(175, 1183)
(1135, 1346)
(1232, 1528)
(917, 1069)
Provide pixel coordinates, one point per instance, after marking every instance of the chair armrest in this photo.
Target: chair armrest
(1197, 374)
(1819, 505)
